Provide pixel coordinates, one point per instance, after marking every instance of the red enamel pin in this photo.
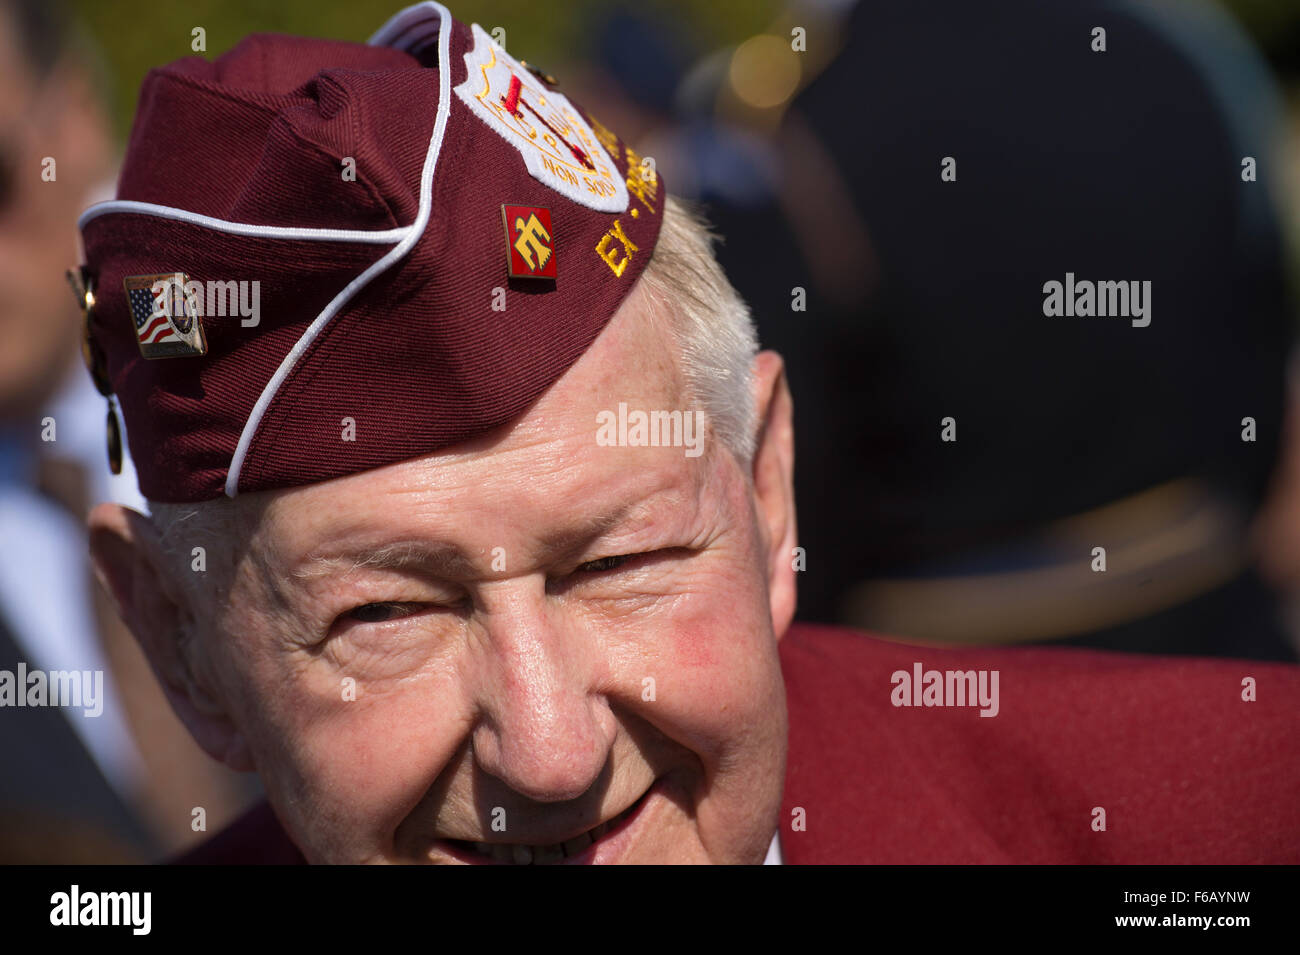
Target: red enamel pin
(530, 250)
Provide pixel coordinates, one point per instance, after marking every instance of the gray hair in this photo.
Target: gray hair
(712, 324)
(712, 327)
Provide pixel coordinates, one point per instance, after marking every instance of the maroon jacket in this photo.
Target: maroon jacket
(1186, 771)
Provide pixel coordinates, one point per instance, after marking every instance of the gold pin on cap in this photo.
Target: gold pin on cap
(83, 287)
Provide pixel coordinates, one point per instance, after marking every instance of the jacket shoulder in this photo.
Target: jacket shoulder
(1182, 760)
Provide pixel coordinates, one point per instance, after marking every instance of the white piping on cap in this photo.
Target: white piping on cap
(377, 236)
(401, 21)
(395, 26)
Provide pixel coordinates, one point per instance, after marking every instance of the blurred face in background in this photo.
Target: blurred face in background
(43, 113)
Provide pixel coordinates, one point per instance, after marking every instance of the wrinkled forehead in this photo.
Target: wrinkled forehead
(547, 468)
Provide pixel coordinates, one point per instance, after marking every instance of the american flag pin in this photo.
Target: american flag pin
(167, 316)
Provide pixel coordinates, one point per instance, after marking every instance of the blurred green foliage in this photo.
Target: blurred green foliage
(137, 35)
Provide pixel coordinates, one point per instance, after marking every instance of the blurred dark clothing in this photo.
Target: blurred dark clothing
(55, 803)
(1115, 165)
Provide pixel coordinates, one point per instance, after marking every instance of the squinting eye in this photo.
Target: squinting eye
(605, 563)
(378, 612)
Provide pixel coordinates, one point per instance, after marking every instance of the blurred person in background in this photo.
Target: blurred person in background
(971, 469)
(119, 786)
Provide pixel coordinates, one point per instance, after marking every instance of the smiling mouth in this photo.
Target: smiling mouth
(518, 853)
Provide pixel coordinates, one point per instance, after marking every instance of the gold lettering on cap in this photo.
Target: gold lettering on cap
(607, 138)
(609, 254)
(641, 180)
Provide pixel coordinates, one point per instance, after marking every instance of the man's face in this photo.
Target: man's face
(443, 652)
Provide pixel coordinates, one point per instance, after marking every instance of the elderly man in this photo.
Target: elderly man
(472, 528)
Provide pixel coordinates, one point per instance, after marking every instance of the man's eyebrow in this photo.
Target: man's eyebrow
(589, 529)
(447, 560)
(441, 559)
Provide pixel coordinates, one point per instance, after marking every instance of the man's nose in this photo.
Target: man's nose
(544, 732)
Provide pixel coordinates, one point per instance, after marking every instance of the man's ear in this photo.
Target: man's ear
(131, 564)
(773, 474)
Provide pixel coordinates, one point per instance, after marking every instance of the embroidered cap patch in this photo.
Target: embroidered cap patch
(559, 147)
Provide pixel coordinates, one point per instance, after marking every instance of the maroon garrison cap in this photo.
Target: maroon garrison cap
(411, 239)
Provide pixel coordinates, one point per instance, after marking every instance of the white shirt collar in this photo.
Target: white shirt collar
(774, 852)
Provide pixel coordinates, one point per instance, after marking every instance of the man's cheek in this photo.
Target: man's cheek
(328, 685)
(696, 647)
(369, 750)
(705, 665)
(721, 629)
